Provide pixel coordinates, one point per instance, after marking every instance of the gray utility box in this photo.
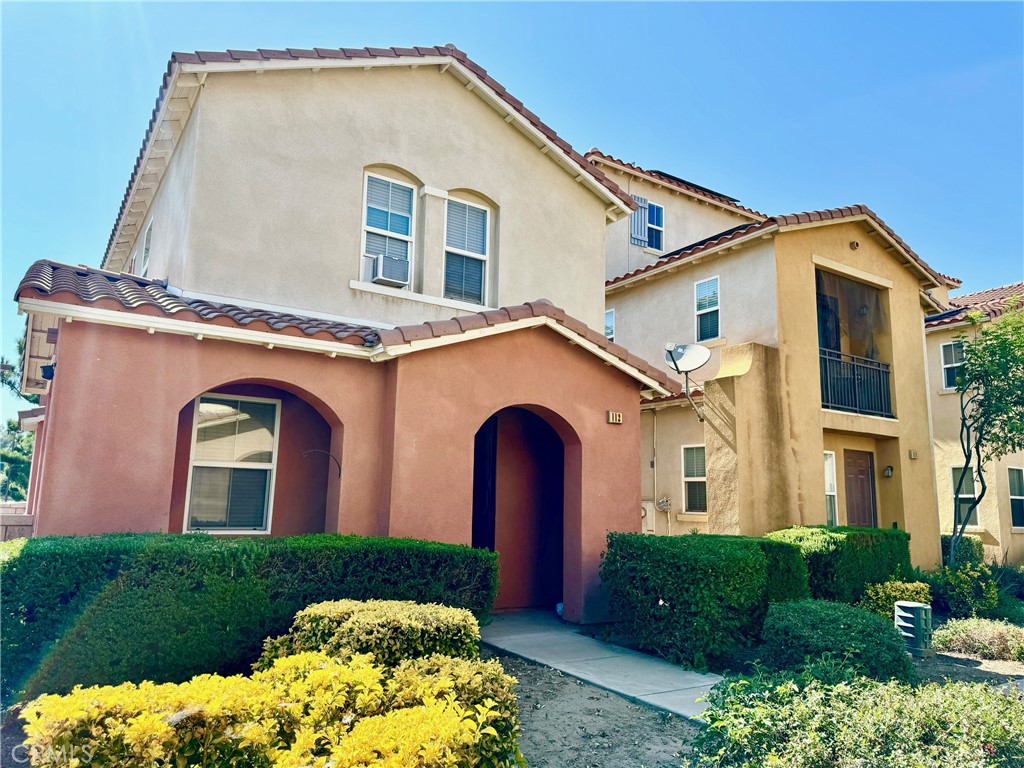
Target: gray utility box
(914, 622)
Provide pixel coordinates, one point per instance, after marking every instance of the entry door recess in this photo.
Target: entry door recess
(860, 488)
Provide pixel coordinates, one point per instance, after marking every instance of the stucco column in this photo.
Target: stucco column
(430, 279)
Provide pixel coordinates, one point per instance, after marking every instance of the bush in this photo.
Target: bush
(882, 598)
(801, 722)
(787, 571)
(306, 709)
(391, 630)
(983, 638)
(1010, 579)
(692, 599)
(165, 607)
(841, 562)
(971, 550)
(809, 629)
(967, 590)
(1008, 608)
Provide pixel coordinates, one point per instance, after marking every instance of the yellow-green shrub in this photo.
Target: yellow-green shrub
(882, 598)
(305, 710)
(392, 630)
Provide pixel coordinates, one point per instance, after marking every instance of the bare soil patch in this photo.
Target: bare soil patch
(966, 669)
(570, 724)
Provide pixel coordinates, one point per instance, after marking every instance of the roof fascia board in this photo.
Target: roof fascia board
(198, 330)
(694, 259)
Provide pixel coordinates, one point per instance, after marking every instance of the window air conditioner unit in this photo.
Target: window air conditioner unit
(387, 270)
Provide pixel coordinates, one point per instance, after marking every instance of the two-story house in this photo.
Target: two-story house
(296, 325)
(998, 520)
(813, 407)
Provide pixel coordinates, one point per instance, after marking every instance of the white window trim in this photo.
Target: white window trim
(942, 362)
(147, 242)
(364, 227)
(952, 493)
(835, 484)
(702, 479)
(608, 312)
(1014, 528)
(486, 258)
(650, 226)
(232, 465)
(697, 313)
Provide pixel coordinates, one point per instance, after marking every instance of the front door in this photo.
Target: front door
(860, 488)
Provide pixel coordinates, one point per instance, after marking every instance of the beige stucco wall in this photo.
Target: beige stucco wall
(994, 529)
(277, 207)
(663, 433)
(908, 498)
(651, 314)
(687, 220)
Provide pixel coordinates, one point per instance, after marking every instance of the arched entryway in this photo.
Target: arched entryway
(519, 496)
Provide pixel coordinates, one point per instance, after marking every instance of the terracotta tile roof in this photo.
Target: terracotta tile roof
(774, 223)
(129, 293)
(449, 50)
(991, 303)
(675, 181)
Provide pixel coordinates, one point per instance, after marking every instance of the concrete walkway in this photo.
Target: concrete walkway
(542, 637)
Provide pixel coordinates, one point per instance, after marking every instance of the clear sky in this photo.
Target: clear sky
(915, 109)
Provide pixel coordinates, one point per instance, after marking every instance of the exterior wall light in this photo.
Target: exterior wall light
(47, 371)
(888, 471)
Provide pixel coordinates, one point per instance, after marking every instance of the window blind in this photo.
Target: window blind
(464, 278)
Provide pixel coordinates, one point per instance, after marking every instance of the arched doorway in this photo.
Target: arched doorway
(518, 505)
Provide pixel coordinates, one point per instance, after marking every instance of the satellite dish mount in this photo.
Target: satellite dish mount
(685, 358)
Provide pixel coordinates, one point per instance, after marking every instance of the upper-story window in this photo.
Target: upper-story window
(609, 324)
(952, 360)
(707, 309)
(1016, 496)
(147, 241)
(466, 245)
(387, 230)
(647, 224)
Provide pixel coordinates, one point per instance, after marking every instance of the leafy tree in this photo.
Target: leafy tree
(15, 461)
(10, 375)
(991, 387)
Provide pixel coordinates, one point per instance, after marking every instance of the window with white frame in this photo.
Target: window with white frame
(706, 300)
(387, 230)
(966, 496)
(695, 486)
(465, 259)
(952, 359)
(232, 463)
(1016, 496)
(647, 224)
(831, 494)
(146, 242)
(609, 324)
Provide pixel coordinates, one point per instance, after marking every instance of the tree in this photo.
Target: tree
(991, 387)
(10, 375)
(15, 462)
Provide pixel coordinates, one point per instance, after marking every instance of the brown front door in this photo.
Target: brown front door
(860, 488)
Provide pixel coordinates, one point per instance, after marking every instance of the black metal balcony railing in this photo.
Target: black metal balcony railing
(855, 384)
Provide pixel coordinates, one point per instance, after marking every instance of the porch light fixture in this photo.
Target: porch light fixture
(888, 471)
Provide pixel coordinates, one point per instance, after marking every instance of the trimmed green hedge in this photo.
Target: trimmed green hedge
(841, 562)
(971, 550)
(882, 598)
(695, 598)
(796, 631)
(164, 607)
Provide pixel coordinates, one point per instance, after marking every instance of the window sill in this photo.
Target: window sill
(1016, 529)
(691, 517)
(721, 341)
(653, 252)
(947, 392)
(409, 295)
(227, 532)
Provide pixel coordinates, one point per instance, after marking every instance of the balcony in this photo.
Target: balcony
(855, 384)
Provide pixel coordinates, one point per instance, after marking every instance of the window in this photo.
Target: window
(952, 359)
(831, 506)
(465, 258)
(647, 224)
(695, 487)
(967, 494)
(1016, 497)
(706, 298)
(609, 324)
(145, 250)
(234, 447)
(387, 229)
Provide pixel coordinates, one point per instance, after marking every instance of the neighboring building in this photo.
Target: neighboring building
(999, 519)
(815, 399)
(234, 366)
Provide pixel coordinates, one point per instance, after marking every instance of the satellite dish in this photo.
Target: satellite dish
(686, 357)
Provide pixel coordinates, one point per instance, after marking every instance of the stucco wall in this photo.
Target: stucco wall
(994, 529)
(674, 426)
(687, 220)
(277, 210)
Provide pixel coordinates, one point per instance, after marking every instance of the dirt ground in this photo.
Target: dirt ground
(570, 724)
(955, 666)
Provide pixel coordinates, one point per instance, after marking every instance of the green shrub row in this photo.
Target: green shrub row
(841, 562)
(693, 599)
(983, 638)
(971, 550)
(166, 607)
(810, 629)
(391, 630)
(800, 721)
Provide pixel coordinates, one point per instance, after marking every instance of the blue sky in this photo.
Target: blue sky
(916, 109)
